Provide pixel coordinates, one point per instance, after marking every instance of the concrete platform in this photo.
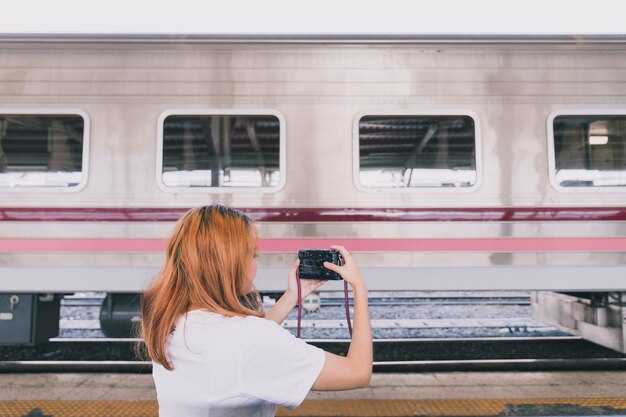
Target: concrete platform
(485, 393)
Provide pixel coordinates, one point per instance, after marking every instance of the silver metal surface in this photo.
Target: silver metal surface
(306, 38)
(319, 84)
(61, 280)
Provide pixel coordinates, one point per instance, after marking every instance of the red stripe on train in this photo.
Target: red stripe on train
(356, 245)
(317, 215)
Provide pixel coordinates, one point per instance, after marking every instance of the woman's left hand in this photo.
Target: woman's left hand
(307, 285)
(285, 304)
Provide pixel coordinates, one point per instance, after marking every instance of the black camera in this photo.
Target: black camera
(312, 264)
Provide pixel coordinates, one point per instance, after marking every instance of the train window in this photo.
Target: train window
(42, 151)
(588, 150)
(208, 151)
(417, 151)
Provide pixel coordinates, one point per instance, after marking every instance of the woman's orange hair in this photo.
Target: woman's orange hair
(205, 265)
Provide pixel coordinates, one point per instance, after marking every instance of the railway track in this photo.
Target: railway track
(390, 355)
(392, 314)
(526, 324)
(328, 301)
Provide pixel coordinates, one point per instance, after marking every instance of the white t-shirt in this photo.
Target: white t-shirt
(234, 366)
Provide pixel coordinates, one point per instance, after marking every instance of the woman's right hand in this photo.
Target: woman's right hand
(355, 369)
(348, 271)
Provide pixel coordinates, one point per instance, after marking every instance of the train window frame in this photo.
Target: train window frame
(51, 111)
(282, 164)
(356, 163)
(552, 155)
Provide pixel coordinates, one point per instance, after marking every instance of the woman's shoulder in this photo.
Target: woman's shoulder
(261, 328)
(202, 316)
(255, 321)
(249, 325)
(209, 317)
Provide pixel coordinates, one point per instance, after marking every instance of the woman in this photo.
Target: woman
(214, 352)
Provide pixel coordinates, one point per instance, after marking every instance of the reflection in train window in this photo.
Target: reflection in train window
(221, 151)
(38, 150)
(417, 151)
(590, 150)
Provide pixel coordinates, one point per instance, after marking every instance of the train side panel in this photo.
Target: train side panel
(499, 235)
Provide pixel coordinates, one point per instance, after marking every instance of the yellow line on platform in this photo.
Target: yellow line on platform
(59, 408)
(460, 407)
(311, 408)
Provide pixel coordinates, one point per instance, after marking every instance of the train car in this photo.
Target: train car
(442, 163)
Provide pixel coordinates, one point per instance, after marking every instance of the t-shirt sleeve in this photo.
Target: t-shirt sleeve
(276, 366)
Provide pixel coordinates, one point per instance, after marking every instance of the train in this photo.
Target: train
(441, 162)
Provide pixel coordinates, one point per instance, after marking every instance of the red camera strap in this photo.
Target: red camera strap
(346, 302)
(299, 307)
